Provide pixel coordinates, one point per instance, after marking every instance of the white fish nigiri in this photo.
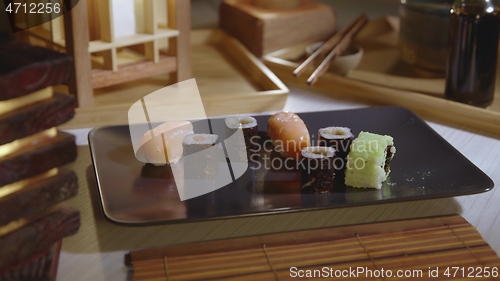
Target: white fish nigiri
(163, 144)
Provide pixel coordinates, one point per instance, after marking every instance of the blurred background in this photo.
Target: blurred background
(205, 13)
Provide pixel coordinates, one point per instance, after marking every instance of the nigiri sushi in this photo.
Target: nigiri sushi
(288, 133)
(163, 144)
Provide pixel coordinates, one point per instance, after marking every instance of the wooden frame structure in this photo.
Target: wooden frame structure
(109, 59)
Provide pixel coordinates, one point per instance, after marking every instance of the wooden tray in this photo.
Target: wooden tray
(383, 78)
(231, 80)
(417, 247)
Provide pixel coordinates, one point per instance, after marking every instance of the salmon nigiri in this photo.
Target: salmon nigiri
(288, 133)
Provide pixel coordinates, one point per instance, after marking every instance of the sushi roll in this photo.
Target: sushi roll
(368, 162)
(194, 143)
(288, 134)
(163, 144)
(339, 138)
(245, 147)
(200, 156)
(318, 171)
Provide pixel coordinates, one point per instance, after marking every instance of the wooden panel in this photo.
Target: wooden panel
(26, 69)
(152, 51)
(22, 239)
(110, 59)
(263, 31)
(93, 20)
(33, 195)
(38, 267)
(414, 245)
(36, 117)
(100, 45)
(106, 20)
(40, 157)
(22, 101)
(133, 71)
(247, 28)
(149, 17)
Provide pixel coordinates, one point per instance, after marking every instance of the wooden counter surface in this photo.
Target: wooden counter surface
(97, 251)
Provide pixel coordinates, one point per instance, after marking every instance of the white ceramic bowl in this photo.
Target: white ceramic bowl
(346, 62)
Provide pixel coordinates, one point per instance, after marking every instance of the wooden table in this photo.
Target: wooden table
(97, 251)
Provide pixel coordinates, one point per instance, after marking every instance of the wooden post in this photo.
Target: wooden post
(152, 51)
(179, 17)
(77, 44)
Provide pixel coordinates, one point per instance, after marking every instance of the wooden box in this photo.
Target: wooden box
(263, 31)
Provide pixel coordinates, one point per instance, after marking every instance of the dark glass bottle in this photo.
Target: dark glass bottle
(472, 61)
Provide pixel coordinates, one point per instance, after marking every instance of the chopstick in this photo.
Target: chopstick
(329, 44)
(337, 50)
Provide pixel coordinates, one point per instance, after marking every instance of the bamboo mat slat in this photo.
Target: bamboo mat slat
(413, 247)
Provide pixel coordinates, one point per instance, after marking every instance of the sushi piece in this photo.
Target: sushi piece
(339, 138)
(318, 170)
(288, 134)
(368, 162)
(200, 155)
(163, 144)
(243, 148)
(248, 125)
(194, 143)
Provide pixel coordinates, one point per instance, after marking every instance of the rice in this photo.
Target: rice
(368, 162)
(318, 169)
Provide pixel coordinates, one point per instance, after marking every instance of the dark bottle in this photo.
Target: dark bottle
(472, 61)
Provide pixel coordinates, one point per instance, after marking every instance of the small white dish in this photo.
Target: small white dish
(344, 63)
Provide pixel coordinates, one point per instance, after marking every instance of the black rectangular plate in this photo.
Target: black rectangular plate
(425, 166)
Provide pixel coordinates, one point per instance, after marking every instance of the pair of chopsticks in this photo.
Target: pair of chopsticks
(332, 48)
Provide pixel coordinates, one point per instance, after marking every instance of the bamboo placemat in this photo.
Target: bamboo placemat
(447, 247)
